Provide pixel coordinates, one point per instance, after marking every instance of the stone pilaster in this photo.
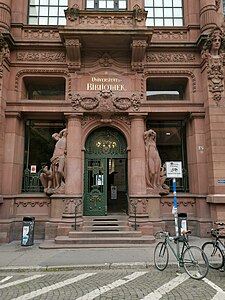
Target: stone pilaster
(14, 151)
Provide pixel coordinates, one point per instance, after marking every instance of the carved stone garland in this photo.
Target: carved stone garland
(105, 101)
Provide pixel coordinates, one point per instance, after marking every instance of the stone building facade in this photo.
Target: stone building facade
(108, 72)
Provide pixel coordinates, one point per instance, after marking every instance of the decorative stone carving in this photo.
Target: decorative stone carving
(73, 53)
(72, 207)
(41, 34)
(138, 206)
(155, 174)
(32, 203)
(139, 14)
(170, 57)
(217, 3)
(4, 53)
(170, 35)
(105, 101)
(106, 60)
(47, 56)
(213, 52)
(138, 54)
(72, 13)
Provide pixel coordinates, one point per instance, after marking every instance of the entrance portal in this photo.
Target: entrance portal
(105, 175)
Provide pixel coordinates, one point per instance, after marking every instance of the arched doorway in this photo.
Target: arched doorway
(105, 172)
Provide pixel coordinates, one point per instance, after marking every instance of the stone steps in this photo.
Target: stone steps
(104, 234)
(113, 241)
(101, 232)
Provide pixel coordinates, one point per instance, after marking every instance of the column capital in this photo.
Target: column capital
(73, 115)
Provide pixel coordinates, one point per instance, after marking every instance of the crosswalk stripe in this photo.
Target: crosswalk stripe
(53, 287)
(166, 288)
(20, 281)
(6, 279)
(101, 290)
(220, 293)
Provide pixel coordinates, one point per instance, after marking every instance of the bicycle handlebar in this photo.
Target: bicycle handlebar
(219, 223)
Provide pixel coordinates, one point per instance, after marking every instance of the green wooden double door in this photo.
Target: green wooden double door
(105, 172)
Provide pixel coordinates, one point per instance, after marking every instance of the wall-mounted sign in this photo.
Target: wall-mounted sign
(174, 169)
(221, 181)
(33, 169)
(106, 83)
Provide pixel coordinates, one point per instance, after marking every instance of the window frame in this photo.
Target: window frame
(115, 8)
(164, 18)
(59, 18)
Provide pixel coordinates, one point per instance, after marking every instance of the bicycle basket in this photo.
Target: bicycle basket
(160, 235)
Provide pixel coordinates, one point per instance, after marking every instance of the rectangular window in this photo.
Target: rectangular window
(39, 147)
(44, 88)
(164, 89)
(106, 4)
(164, 12)
(171, 145)
(47, 12)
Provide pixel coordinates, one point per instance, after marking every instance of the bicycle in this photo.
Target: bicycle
(215, 249)
(192, 258)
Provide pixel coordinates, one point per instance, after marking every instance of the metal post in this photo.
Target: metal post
(174, 211)
(75, 218)
(135, 218)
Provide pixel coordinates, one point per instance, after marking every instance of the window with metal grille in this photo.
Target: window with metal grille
(106, 4)
(47, 12)
(164, 12)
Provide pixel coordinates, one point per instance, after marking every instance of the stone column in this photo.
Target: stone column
(5, 15)
(138, 211)
(137, 182)
(73, 190)
(209, 15)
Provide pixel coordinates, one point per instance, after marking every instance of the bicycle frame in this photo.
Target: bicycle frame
(178, 255)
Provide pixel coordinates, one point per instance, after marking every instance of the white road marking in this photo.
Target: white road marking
(6, 279)
(20, 281)
(166, 288)
(108, 287)
(220, 292)
(52, 287)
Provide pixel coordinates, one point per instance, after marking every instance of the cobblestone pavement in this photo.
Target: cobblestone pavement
(118, 284)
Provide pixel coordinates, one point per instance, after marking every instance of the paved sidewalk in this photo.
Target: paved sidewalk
(13, 256)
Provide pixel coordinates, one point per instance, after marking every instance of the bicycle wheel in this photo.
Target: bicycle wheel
(195, 262)
(214, 255)
(161, 256)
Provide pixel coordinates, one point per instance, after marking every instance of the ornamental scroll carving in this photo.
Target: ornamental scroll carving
(213, 53)
(105, 101)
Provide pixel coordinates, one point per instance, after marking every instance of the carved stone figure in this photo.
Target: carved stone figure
(58, 158)
(154, 173)
(46, 178)
(53, 179)
(213, 52)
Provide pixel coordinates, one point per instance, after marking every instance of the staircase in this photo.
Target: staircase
(110, 231)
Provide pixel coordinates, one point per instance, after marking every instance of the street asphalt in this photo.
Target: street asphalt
(15, 257)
